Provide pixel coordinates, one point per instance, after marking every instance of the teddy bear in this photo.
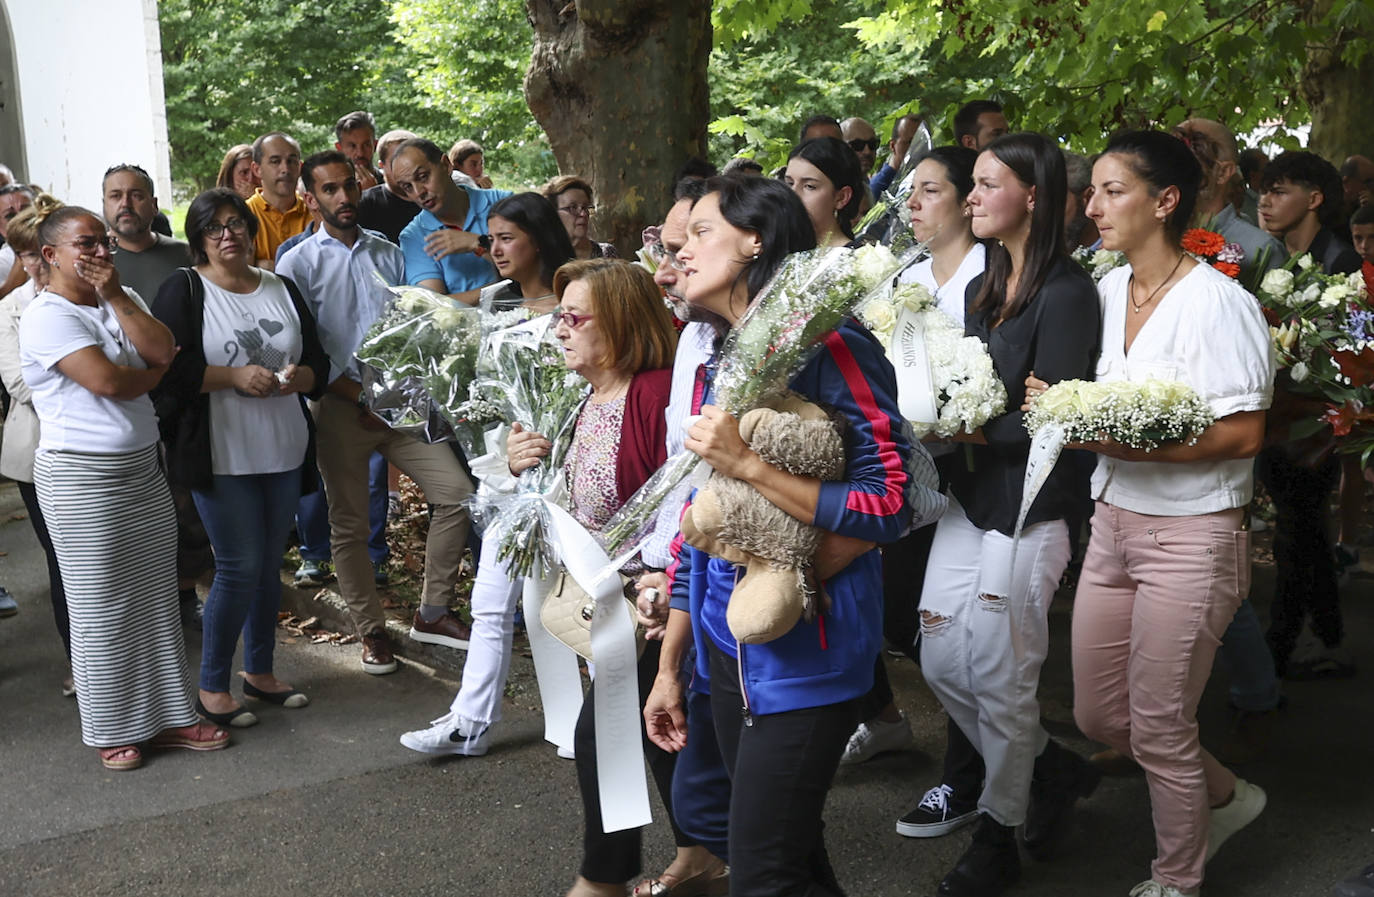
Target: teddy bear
(731, 520)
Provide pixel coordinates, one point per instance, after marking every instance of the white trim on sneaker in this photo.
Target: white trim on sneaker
(934, 805)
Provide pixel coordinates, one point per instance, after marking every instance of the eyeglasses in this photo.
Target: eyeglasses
(576, 209)
(859, 145)
(663, 255)
(570, 320)
(88, 245)
(214, 230)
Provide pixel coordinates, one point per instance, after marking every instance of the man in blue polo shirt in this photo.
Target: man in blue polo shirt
(443, 248)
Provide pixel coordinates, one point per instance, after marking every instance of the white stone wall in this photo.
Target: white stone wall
(88, 75)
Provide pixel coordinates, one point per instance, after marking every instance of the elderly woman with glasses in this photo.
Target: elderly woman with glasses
(238, 436)
(90, 353)
(572, 196)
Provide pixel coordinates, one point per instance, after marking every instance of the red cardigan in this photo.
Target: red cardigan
(643, 431)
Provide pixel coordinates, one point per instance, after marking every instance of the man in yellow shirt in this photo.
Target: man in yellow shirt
(281, 212)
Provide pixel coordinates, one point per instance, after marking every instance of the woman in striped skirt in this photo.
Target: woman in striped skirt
(90, 352)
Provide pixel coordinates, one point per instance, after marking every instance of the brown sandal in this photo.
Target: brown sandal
(121, 758)
(198, 737)
(713, 881)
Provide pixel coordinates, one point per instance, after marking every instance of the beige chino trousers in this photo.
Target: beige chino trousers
(344, 446)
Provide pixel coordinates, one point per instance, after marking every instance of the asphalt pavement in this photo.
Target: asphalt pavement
(325, 801)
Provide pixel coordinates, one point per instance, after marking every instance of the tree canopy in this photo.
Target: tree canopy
(1077, 69)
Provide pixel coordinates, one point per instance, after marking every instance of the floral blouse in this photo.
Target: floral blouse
(592, 463)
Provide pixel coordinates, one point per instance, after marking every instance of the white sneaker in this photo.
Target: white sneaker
(1244, 807)
(445, 736)
(567, 753)
(1155, 889)
(874, 737)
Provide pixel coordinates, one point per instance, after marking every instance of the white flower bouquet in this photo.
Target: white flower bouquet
(1139, 414)
(776, 337)
(1323, 331)
(525, 381)
(966, 389)
(417, 359)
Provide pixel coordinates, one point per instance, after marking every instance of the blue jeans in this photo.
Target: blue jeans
(1254, 685)
(312, 517)
(248, 519)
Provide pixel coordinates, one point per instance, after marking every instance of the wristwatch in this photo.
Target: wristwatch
(483, 245)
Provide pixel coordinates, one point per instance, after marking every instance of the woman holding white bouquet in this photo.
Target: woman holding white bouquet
(940, 218)
(1168, 562)
(528, 246)
(984, 626)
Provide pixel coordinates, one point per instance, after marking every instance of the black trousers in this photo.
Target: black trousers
(615, 858)
(1305, 577)
(781, 767)
(58, 594)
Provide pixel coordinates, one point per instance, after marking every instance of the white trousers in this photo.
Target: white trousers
(494, 597)
(981, 653)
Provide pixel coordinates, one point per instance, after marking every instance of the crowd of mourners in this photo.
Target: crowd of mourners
(172, 406)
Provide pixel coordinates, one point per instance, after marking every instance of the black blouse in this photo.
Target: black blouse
(1057, 334)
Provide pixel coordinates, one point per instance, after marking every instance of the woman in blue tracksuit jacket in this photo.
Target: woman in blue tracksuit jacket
(784, 709)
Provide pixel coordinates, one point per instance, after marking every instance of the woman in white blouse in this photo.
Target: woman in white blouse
(1168, 562)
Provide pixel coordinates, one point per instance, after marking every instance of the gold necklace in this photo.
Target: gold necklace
(1130, 291)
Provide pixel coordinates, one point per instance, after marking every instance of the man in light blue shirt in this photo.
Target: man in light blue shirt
(443, 245)
(336, 270)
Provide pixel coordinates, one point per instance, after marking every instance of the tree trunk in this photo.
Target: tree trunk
(1338, 95)
(620, 88)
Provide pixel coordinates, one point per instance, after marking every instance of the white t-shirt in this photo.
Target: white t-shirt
(1207, 332)
(250, 435)
(71, 417)
(7, 260)
(950, 295)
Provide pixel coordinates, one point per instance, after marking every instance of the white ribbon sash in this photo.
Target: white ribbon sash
(915, 391)
(1046, 445)
(619, 746)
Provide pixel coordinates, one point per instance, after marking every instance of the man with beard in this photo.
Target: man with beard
(355, 135)
(281, 213)
(336, 270)
(144, 258)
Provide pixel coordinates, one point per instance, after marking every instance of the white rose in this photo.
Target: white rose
(1298, 372)
(1277, 283)
(881, 319)
(873, 262)
(1305, 261)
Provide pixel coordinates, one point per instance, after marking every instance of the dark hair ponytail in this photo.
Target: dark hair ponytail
(841, 166)
(1162, 161)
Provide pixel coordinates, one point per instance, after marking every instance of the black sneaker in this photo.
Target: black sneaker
(989, 866)
(938, 813)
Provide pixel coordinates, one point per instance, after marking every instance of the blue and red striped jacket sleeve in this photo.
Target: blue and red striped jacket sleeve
(853, 377)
